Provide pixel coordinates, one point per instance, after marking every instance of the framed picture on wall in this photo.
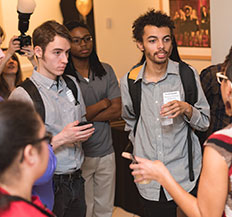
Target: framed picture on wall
(192, 26)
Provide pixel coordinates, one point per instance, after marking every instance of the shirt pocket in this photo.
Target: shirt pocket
(52, 116)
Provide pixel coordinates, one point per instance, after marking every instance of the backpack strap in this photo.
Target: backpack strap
(135, 92)
(190, 88)
(33, 92)
(189, 83)
(72, 86)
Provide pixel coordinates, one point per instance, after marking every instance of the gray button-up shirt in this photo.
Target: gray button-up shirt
(60, 111)
(165, 143)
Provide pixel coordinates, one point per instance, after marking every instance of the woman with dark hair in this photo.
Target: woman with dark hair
(10, 70)
(11, 76)
(14, 46)
(23, 159)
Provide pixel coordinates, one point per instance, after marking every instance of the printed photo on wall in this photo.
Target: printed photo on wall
(192, 22)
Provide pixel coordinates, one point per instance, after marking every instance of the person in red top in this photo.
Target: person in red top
(23, 159)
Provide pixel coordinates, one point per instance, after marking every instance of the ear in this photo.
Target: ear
(229, 96)
(140, 45)
(38, 51)
(30, 155)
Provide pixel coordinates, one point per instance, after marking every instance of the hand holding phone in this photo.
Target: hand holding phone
(82, 123)
(131, 157)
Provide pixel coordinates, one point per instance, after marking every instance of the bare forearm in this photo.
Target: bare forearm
(93, 110)
(111, 113)
(33, 62)
(4, 61)
(108, 114)
(57, 141)
(184, 200)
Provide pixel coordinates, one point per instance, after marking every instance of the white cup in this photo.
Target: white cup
(165, 120)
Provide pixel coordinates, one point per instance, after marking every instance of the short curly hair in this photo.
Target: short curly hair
(153, 18)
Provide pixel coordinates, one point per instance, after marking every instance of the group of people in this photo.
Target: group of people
(70, 166)
(92, 94)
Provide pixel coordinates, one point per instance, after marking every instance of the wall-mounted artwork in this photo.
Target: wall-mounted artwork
(192, 22)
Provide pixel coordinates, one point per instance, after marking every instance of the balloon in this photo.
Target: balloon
(84, 6)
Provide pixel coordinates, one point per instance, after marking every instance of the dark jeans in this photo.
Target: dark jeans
(163, 207)
(69, 195)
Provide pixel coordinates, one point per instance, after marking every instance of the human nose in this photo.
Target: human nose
(2, 55)
(11, 60)
(65, 58)
(160, 44)
(83, 42)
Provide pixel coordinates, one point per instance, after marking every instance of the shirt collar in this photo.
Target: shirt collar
(45, 81)
(173, 68)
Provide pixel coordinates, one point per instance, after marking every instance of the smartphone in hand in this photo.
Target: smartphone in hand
(82, 123)
(129, 156)
(134, 161)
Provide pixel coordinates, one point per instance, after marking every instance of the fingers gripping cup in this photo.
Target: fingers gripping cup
(165, 120)
(168, 97)
(134, 161)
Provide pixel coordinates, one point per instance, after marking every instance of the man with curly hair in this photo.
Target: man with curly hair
(162, 127)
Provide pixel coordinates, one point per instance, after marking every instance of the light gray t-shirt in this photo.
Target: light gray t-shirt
(59, 111)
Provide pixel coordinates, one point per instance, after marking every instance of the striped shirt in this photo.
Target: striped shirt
(221, 141)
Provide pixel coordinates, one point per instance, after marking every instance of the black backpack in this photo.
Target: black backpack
(32, 90)
(190, 88)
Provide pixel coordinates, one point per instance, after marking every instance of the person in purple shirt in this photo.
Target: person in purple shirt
(43, 187)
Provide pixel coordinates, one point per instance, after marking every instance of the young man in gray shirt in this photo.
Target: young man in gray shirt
(162, 95)
(63, 113)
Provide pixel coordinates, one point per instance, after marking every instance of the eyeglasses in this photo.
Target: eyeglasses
(48, 138)
(86, 39)
(221, 77)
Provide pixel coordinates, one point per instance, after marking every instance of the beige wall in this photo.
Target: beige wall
(199, 65)
(221, 30)
(115, 45)
(113, 21)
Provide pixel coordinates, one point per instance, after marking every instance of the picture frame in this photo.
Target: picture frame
(186, 49)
